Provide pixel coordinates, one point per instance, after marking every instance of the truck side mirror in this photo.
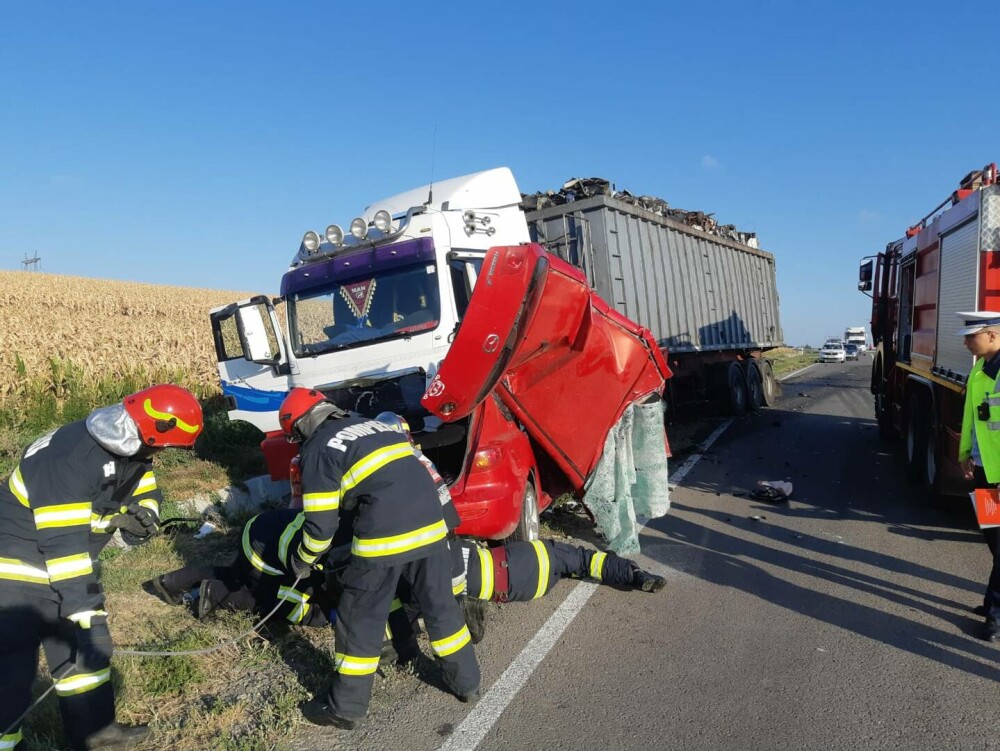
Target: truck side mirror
(865, 276)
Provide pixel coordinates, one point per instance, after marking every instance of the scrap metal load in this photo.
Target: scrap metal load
(578, 188)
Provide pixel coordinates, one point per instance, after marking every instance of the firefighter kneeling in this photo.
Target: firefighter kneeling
(367, 468)
(71, 489)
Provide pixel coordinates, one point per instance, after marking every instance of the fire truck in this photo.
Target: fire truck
(947, 262)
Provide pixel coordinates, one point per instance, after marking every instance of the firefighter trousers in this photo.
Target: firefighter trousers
(29, 620)
(367, 596)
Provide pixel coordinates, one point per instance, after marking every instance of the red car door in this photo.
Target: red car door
(558, 356)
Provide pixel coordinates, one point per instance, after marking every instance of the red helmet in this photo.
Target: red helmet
(297, 405)
(166, 415)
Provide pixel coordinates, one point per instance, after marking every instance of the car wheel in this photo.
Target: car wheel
(527, 526)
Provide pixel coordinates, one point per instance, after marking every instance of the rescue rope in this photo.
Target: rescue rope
(144, 653)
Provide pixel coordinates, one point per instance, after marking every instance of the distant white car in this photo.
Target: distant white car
(833, 352)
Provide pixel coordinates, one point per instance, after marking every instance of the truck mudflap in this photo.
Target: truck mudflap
(559, 358)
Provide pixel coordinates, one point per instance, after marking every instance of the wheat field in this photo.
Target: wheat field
(105, 329)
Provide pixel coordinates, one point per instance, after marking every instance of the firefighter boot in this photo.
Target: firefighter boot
(475, 617)
(209, 600)
(319, 713)
(116, 736)
(169, 596)
(647, 582)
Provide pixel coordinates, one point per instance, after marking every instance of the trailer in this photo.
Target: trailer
(946, 263)
(710, 302)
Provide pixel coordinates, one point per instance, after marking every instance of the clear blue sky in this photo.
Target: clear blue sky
(193, 143)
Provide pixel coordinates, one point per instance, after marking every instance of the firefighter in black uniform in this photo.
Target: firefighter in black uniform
(72, 488)
(366, 467)
(260, 575)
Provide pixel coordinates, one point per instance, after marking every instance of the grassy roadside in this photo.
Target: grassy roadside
(785, 360)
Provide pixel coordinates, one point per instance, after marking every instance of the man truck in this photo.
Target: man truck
(550, 355)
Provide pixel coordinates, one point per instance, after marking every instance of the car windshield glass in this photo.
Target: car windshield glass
(389, 304)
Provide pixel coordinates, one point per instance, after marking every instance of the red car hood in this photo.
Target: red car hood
(561, 360)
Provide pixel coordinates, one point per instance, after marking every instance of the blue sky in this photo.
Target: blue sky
(193, 143)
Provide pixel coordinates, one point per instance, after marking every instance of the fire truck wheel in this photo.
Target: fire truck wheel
(527, 525)
(916, 439)
(754, 385)
(882, 414)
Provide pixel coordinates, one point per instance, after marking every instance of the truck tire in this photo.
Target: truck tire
(770, 390)
(527, 525)
(754, 385)
(932, 474)
(737, 391)
(916, 440)
(883, 411)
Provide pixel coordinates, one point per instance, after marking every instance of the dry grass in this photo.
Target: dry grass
(107, 328)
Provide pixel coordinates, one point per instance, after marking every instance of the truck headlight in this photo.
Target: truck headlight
(335, 235)
(359, 228)
(310, 241)
(383, 221)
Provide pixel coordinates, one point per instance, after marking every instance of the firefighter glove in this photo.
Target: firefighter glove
(93, 641)
(137, 520)
(300, 568)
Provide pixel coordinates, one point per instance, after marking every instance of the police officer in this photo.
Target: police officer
(366, 467)
(260, 576)
(72, 488)
(979, 447)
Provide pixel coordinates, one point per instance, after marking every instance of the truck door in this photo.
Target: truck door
(253, 360)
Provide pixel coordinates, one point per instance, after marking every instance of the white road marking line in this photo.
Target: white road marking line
(800, 370)
(471, 731)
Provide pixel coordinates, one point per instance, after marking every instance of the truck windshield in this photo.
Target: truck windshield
(384, 305)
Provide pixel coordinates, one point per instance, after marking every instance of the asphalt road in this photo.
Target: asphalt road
(840, 620)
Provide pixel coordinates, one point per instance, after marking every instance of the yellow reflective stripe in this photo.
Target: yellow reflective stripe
(397, 604)
(306, 556)
(286, 537)
(418, 538)
(351, 665)
(151, 504)
(10, 740)
(12, 568)
(329, 501)
(314, 545)
(373, 462)
(388, 632)
(485, 574)
(597, 565)
(63, 515)
(451, 644)
(255, 560)
(457, 584)
(157, 415)
(18, 488)
(84, 616)
(78, 684)
(299, 613)
(543, 567)
(100, 523)
(294, 595)
(146, 484)
(69, 567)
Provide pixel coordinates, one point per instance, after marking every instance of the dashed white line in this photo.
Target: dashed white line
(471, 731)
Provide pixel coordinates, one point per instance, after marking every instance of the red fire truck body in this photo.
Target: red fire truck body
(948, 262)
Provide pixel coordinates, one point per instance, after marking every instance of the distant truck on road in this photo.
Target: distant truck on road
(856, 335)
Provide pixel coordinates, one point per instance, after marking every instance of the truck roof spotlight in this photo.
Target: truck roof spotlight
(310, 241)
(335, 235)
(383, 221)
(359, 228)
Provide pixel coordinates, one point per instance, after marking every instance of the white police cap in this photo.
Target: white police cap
(977, 320)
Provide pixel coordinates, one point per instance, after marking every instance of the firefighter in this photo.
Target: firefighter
(979, 447)
(258, 578)
(71, 489)
(367, 468)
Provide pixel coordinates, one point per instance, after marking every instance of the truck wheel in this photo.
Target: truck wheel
(770, 390)
(916, 442)
(883, 414)
(737, 389)
(527, 525)
(754, 385)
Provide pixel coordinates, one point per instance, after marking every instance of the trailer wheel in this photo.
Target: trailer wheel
(770, 390)
(916, 441)
(754, 385)
(527, 525)
(737, 389)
